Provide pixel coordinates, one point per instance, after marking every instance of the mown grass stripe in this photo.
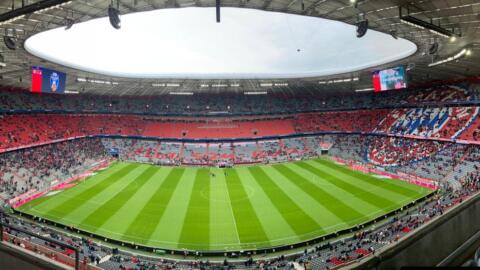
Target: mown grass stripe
(223, 229)
(169, 228)
(312, 207)
(276, 227)
(76, 202)
(92, 204)
(145, 222)
(380, 187)
(293, 214)
(118, 223)
(45, 203)
(337, 207)
(196, 228)
(395, 187)
(361, 193)
(110, 207)
(249, 228)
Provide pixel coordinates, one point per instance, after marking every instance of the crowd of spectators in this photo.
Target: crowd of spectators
(35, 168)
(21, 130)
(449, 123)
(473, 132)
(238, 103)
(430, 159)
(346, 121)
(438, 122)
(404, 116)
(175, 153)
(396, 151)
(327, 255)
(347, 147)
(38, 167)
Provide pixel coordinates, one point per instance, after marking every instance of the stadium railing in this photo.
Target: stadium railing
(39, 249)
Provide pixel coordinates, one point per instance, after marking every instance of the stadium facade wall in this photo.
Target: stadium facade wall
(12, 257)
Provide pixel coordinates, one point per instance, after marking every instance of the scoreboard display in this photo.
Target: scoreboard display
(45, 80)
(389, 79)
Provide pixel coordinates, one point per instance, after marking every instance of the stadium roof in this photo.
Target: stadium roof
(460, 17)
(189, 44)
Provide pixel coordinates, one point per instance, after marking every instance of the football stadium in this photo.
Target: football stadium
(249, 134)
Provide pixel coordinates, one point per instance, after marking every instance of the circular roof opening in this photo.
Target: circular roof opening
(188, 43)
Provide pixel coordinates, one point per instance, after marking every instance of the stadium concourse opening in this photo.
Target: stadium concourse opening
(188, 43)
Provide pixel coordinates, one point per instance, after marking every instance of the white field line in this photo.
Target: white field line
(233, 216)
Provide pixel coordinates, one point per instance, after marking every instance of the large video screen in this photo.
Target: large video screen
(45, 80)
(388, 79)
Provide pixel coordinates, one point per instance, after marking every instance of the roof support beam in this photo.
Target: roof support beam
(313, 6)
(30, 9)
(266, 4)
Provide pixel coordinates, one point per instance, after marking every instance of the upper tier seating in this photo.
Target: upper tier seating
(444, 122)
(472, 133)
(237, 103)
(21, 130)
(25, 129)
(347, 121)
(217, 129)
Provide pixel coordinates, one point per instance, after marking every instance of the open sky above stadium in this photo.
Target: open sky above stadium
(188, 43)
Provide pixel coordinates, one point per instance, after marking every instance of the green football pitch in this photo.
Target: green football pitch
(223, 209)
